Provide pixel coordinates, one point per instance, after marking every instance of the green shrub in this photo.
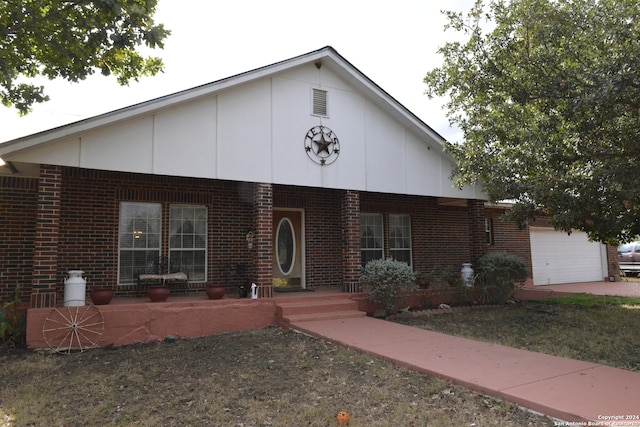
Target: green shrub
(500, 274)
(13, 323)
(440, 278)
(387, 280)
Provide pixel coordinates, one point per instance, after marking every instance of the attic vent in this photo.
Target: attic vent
(319, 102)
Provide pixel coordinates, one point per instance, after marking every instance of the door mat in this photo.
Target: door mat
(285, 290)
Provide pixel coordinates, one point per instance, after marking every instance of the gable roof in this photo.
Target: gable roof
(390, 150)
(327, 57)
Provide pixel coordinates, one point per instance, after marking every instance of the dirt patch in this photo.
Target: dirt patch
(268, 377)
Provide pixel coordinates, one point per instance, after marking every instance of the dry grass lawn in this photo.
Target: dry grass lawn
(268, 377)
(585, 327)
(273, 377)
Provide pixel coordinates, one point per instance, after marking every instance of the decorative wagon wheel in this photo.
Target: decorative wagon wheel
(75, 327)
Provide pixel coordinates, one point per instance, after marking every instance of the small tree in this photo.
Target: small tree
(500, 275)
(387, 279)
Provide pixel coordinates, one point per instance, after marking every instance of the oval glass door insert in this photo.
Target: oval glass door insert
(285, 246)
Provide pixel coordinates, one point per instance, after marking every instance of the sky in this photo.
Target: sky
(394, 43)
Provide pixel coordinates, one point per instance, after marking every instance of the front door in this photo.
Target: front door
(288, 250)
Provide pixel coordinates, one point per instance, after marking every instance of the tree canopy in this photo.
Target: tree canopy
(73, 39)
(547, 95)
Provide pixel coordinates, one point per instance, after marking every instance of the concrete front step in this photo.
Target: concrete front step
(297, 318)
(308, 309)
(316, 306)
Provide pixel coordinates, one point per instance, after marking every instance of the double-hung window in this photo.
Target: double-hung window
(139, 238)
(488, 230)
(188, 240)
(400, 238)
(371, 238)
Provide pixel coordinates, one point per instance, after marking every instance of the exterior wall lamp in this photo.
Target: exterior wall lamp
(249, 238)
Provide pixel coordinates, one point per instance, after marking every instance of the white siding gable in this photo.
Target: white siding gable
(254, 129)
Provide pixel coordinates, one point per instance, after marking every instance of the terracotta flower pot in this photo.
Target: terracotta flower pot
(215, 292)
(158, 293)
(102, 296)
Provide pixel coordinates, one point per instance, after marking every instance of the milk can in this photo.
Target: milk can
(467, 274)
(75, 288)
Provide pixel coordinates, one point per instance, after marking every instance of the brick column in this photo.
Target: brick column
(45, 257)
(263, 239)
(613, 269)
(350, 215)
(477, 237)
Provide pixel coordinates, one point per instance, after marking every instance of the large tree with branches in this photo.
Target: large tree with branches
(72, 39)
(547, 95)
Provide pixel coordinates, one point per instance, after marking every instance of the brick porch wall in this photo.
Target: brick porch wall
(46, 245)
(477, 235)
(440, 235)
(509, 236)
(90, 211)
(263, 253)
(89, 203)
(18, 203)
(350, 215)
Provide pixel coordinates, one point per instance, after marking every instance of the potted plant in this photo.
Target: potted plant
(102, 295)
(215, 291)
(158, 293)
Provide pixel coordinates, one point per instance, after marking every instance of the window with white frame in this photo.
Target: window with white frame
(371, 238)
(139, 239)
(188, 240)
(488, 230)
(400, 238)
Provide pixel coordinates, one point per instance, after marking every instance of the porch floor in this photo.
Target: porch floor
(319, 291)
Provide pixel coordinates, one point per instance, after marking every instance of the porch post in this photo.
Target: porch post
(45, 257)
(477, 237)
(350, 212)
(263, 239)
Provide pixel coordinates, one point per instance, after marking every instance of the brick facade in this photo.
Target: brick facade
(46, 244)
(440, 234)
(477, 236)
(68, 219)
(18, 205)
(263, 223)
(350, 216)
(509, 236)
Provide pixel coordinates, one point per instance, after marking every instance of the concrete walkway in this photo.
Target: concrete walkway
(566, 389)
(622, 288)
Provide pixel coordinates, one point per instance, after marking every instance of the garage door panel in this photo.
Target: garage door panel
(561, 258)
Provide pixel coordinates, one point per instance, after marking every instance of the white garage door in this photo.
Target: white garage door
(560, 258)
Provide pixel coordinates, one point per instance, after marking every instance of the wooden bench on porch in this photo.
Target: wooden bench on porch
(154, 274)
(169, 279)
